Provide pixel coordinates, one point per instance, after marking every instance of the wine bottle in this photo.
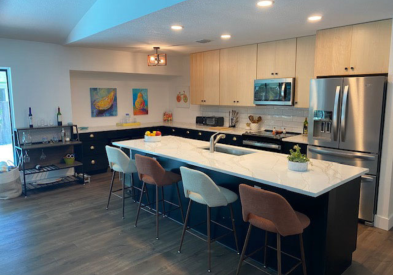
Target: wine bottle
(305, 127)
(59, 119)
(30, 118)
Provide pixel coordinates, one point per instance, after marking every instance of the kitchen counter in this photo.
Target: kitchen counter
(301, 139)
(260, 166)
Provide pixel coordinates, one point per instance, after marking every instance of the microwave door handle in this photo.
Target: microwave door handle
(344, 113)
(283, 91)
(335, 112)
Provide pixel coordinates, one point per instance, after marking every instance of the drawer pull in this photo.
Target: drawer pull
(173, 130)
(234, 138)
(91, 135)
(93, 162)
(199, 133)
(92, 148)
(188, 132)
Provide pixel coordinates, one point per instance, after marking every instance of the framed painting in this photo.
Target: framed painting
(103, 102)
(182, 97)
(140, 102)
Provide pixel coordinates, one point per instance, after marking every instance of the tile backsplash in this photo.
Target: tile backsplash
(280, 117)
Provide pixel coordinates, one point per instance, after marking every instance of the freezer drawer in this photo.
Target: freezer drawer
(364, 160)
(367, 198)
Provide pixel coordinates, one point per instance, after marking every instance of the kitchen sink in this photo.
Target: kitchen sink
(230, 151)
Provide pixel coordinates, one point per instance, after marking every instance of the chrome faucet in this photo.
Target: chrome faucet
(213, 141)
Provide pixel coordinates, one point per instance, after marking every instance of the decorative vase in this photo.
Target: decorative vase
(298, 166)
(254, 127)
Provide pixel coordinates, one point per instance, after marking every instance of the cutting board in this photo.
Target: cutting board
(219, 128)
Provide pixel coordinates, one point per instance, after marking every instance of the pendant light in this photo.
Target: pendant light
(156, 59)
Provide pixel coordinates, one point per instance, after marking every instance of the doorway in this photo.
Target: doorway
(6, 140)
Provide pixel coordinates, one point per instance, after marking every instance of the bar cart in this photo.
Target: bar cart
(41, 150)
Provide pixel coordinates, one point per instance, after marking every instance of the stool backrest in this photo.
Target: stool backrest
(198, 182)
(120, 159)
(149, 167)
(270, 206)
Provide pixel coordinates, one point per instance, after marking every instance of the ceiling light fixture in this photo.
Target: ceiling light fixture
(177, 27)
(314, 18)
(225, 36)
(265, 3)
(157, 59)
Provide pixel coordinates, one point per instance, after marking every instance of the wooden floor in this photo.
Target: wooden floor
(68, 231)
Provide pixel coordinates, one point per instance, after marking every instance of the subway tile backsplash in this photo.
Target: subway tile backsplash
(289, 118)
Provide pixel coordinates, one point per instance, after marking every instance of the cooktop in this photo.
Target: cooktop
(269, 134)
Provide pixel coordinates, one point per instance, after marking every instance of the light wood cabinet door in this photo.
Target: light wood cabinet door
(285, 60)
(246, 74)
(211, 78)
(228, 76)
(333, 51)
(305, 50)
(266, 60)
(371, 47)
(196, 78)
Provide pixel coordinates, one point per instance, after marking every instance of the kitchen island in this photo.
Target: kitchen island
(328, 193)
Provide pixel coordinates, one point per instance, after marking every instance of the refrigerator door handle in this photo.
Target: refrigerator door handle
(344, 113)
(342, 154)
(335, 112)
(367, 178)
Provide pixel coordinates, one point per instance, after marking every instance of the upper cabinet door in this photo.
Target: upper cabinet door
(371, 47)
(211, 77)
(246, 74)
(285, 63)
(196, 78)
(266, 60)
(333, 51)
(304, 70)
(228, 76)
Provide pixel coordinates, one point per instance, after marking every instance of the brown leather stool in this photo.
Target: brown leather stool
(151, 172)
(272, 212)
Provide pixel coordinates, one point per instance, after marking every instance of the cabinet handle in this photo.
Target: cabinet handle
(91, 135)
(234, 138)
(91, 147)
(201, 100)
(173, 130)
(188, 132)
(199, 133)
(295, 102)
(352, 68)
(237, 101)
(93, 162)
(276, 73)
(346, 68)
(234, 101)
(272, 73)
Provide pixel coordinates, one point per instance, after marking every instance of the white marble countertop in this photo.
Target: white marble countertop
(261, 166)
(192, 126)
(297, 139)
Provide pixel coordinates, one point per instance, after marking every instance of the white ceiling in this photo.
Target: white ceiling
(146, 26)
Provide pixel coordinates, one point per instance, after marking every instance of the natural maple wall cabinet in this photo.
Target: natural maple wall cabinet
(304, 70)
(277, 59)
(237, 75)
(352, 50)
(204, 78)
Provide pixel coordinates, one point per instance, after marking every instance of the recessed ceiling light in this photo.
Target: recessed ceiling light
(265, 3)
(225, 36)
(314, 18)
(176, 27)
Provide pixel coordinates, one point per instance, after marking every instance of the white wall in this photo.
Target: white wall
(159, 88)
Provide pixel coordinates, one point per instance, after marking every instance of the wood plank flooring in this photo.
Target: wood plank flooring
(68, 231)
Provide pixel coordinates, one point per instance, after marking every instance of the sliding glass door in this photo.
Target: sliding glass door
(6, 143)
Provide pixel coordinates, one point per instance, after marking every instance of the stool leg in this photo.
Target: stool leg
(265, 252)
(110, 190)
(185, 225)
(279, 254)
(140, 204)
(234, 228)
(163, 201)
(147, 198)
(244, 249)
(124, 191)
(209, 239)
(132, 186)
(302, 254)
(180, 203)
(157, 205)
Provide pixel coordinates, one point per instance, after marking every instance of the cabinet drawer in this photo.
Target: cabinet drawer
(92, 163)
(94, 148)
(92, 136)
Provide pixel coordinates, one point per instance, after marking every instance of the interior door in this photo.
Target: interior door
(324, 112)
(361, 113)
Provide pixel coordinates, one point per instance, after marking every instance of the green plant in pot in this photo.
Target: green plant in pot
(297, 161)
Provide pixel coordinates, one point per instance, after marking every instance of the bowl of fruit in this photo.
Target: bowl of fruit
(154, 136)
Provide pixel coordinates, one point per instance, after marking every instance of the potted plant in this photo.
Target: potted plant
(297, 161)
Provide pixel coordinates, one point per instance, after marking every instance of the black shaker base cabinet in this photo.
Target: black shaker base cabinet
(329, 241)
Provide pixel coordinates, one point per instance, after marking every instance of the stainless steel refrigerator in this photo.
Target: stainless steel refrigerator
(346, 126)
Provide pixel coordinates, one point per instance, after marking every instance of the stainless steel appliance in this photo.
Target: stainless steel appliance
(278, 91)
(346, 126)
(265, 140)
(210, 120)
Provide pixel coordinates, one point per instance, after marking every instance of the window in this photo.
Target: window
(6, 141)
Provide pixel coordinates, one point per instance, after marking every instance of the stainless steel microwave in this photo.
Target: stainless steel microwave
(278, 91)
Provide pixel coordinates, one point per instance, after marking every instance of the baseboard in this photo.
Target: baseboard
(383, 222)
